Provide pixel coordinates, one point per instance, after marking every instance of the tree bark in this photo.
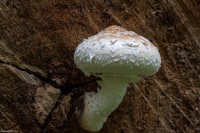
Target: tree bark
(40, 84)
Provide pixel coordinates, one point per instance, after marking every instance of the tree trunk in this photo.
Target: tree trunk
(40, 84)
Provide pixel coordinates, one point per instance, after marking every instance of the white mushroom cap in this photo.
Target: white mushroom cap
(117, 52)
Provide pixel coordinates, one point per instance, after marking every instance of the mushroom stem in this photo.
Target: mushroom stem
(98, 106)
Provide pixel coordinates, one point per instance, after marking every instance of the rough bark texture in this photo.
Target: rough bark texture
(40, 84)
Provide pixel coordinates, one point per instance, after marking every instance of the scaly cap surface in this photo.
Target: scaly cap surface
(117, 52)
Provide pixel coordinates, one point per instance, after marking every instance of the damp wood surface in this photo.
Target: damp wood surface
(40, 84)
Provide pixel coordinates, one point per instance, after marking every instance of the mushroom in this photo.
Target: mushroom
(118, 57)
